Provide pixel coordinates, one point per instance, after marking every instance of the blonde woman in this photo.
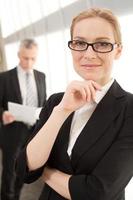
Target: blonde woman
(83, 144)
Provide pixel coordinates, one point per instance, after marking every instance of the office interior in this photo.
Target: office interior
(48, 22)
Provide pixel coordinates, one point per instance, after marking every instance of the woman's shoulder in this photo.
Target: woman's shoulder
(52, 101)
(55, 98)
(129, 103)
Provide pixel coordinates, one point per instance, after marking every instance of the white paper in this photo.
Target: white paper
(23, 113)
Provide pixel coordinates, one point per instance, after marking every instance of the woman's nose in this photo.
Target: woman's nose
(90, 53)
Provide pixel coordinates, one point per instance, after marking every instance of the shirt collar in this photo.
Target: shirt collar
(22, 71)
(100, 94)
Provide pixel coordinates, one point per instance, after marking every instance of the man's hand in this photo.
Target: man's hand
(7, 117)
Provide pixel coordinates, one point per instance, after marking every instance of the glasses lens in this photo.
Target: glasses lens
(77, 45)
(103, 47)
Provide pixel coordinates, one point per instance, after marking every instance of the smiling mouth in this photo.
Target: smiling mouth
(90, 65)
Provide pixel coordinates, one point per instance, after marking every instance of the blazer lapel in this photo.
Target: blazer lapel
(38, 87)
(105, 112)
(60, 147)
(16, 87)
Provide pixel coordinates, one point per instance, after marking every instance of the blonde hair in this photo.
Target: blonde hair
(102, 13)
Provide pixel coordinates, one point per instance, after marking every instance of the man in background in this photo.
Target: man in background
(15, 87)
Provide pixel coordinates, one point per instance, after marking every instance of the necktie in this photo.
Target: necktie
(30, 93)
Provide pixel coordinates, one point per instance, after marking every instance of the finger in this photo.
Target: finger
(96, 85)
(80, 93)
(93, 91)
(88, 92)
(84, 94)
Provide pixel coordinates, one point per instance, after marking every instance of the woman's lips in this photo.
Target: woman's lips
(90, 65)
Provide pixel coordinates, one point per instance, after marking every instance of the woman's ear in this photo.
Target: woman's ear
(118, 51)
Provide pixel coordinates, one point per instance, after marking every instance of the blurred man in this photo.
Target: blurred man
(15, 87)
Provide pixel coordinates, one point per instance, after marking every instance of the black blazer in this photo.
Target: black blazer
(10, 91)
(101, 163)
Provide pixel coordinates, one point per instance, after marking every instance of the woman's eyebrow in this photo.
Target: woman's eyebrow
(102, 38)
(96, 39)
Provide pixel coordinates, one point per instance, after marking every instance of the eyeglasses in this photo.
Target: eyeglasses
(100, 47)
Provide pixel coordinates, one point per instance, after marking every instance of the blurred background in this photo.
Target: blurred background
(48, 21)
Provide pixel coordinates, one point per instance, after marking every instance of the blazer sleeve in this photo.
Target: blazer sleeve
(43, 88)
(21, 169)
(1, 95)
(113, 171)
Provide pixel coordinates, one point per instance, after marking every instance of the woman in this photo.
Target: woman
(83, 143)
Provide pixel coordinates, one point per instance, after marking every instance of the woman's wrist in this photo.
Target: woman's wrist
(60, 110)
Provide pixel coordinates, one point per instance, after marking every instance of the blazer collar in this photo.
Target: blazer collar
(15, 82)
(108, 108)
(37, 78)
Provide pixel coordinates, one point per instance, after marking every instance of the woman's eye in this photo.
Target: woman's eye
(80, 43)
(103, 44)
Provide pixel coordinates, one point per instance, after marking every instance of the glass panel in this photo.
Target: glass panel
(72, 75)
(34, 10)
(11, 53)
(24, 12)
(58, 70)
(49, 6)
(124, 64)
(7, 21)
(66, 2)
(42, 63)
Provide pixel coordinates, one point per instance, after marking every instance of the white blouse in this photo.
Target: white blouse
(82, 115)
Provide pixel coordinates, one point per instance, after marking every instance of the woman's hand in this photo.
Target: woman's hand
(57, 180)
(79, 93)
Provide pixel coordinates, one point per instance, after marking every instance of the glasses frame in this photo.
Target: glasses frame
(92, 45)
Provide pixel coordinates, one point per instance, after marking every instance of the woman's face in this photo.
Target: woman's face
(89, 64)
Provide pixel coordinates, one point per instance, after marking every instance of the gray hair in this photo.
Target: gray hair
(28, 43)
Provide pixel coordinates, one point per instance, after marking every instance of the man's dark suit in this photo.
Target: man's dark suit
(15, 134)
(101, 163)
